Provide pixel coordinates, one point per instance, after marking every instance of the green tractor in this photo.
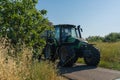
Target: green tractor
(66, 44)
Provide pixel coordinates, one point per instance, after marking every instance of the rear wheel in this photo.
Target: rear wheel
(92, 56)
(67, 56)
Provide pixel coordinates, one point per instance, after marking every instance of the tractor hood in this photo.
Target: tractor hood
(77, 41)
(82, 40)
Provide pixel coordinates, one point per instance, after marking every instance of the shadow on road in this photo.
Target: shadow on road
(64, 70)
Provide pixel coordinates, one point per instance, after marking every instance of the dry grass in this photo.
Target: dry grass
(43, 71)
(22, 67)
(12, 68)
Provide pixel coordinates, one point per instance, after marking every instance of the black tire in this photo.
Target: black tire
(92, 56)
(67, 56)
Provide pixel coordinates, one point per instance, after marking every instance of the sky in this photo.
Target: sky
(96, 17)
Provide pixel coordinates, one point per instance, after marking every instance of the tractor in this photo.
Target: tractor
(65, 44)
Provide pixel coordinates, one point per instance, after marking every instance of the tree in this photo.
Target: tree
(21, 22)
(112, 37)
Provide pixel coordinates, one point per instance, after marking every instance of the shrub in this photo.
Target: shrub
(22, 23)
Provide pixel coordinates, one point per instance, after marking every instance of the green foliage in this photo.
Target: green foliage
(21, 22)
(112, 37)
(43, 11)
(95, 38)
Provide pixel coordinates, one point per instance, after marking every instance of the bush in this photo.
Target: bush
(95, 39)
(22, 23)
(112, 37)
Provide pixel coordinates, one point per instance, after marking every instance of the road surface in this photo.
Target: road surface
(83, 72)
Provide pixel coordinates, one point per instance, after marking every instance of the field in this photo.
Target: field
(22, 67)
(110, 55)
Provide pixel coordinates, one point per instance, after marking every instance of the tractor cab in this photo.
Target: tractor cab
(62, 32)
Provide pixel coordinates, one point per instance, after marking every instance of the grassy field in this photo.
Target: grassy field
(110, 55)
(23, 67)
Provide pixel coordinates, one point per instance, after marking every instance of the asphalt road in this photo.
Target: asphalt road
(83, 72)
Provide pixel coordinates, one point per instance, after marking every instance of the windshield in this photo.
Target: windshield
(69, 32)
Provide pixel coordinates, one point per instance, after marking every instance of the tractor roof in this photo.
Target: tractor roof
(65, 25)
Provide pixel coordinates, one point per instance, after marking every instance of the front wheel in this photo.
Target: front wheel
(92, 56)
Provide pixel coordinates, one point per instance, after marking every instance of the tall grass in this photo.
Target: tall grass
(110, 55)
(22, 67)
(43, 71)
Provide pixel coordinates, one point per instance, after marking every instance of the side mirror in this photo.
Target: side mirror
(81, 29)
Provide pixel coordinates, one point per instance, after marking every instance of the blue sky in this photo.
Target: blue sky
(96, 17)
